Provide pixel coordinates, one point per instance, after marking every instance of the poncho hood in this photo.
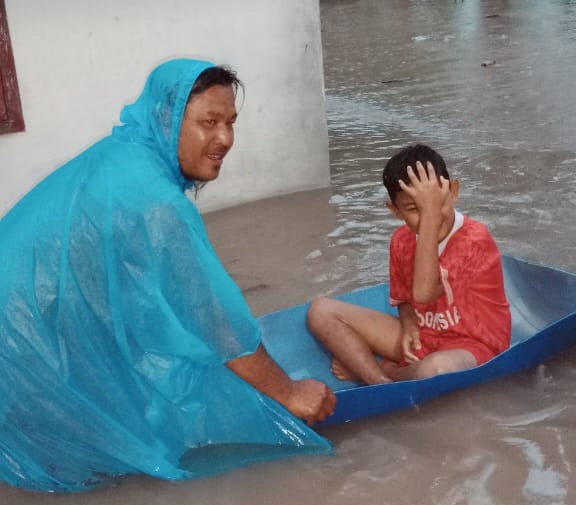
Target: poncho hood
(156, 116)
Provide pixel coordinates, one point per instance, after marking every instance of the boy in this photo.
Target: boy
(445, 279)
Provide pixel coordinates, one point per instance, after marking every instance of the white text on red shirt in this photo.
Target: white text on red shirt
(438, 320)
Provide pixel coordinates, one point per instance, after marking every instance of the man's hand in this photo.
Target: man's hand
(311, 400)
(308, 399)
(428, 191)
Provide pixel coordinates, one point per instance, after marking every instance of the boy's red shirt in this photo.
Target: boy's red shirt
(474, 302)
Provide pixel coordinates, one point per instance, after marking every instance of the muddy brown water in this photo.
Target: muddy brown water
(490, 84)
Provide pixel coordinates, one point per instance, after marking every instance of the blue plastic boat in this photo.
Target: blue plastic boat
(543, 305)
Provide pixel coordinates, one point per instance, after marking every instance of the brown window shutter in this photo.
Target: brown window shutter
(11, 118)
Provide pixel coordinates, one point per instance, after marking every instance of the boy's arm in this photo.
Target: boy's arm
(410, 331)
(429, 195)
(426, 285)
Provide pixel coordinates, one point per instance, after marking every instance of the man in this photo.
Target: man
(206, 136)
(125, 347)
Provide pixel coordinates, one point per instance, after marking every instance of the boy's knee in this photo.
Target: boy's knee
(432, 365)
(318, 312)
(426, 370)
(445, 362)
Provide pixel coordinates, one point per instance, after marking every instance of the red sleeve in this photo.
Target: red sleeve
(400, 271)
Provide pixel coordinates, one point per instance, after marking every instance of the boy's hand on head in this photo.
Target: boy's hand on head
(427, 189)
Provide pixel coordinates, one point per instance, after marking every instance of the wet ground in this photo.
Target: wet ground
(490, 84)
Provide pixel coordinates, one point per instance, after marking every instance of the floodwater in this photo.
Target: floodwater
(490, 84)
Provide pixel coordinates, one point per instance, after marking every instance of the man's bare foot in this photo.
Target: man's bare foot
(341, 372)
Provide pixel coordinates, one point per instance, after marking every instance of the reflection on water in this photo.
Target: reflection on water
(541, 481)
(491, 85)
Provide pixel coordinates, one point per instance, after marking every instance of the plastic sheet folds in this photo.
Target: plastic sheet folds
(117, 319)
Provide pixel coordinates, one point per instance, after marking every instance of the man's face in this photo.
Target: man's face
(207, 133)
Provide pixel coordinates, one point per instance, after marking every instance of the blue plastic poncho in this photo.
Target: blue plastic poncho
(116, 320)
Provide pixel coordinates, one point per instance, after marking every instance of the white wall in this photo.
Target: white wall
(78, 62)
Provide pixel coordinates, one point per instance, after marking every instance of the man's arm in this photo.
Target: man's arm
(308, 399)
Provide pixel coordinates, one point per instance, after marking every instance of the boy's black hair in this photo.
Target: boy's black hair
(396, 168)
(221, 75)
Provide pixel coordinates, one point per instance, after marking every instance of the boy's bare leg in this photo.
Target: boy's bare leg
(436, 363)
(354, 335)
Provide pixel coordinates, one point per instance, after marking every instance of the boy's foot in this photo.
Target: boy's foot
(341, 372)
(388, 366)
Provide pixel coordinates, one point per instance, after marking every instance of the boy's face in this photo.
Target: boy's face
(405, 208)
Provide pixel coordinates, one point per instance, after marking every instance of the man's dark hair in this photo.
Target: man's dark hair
(221, 75)
(396, 168)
